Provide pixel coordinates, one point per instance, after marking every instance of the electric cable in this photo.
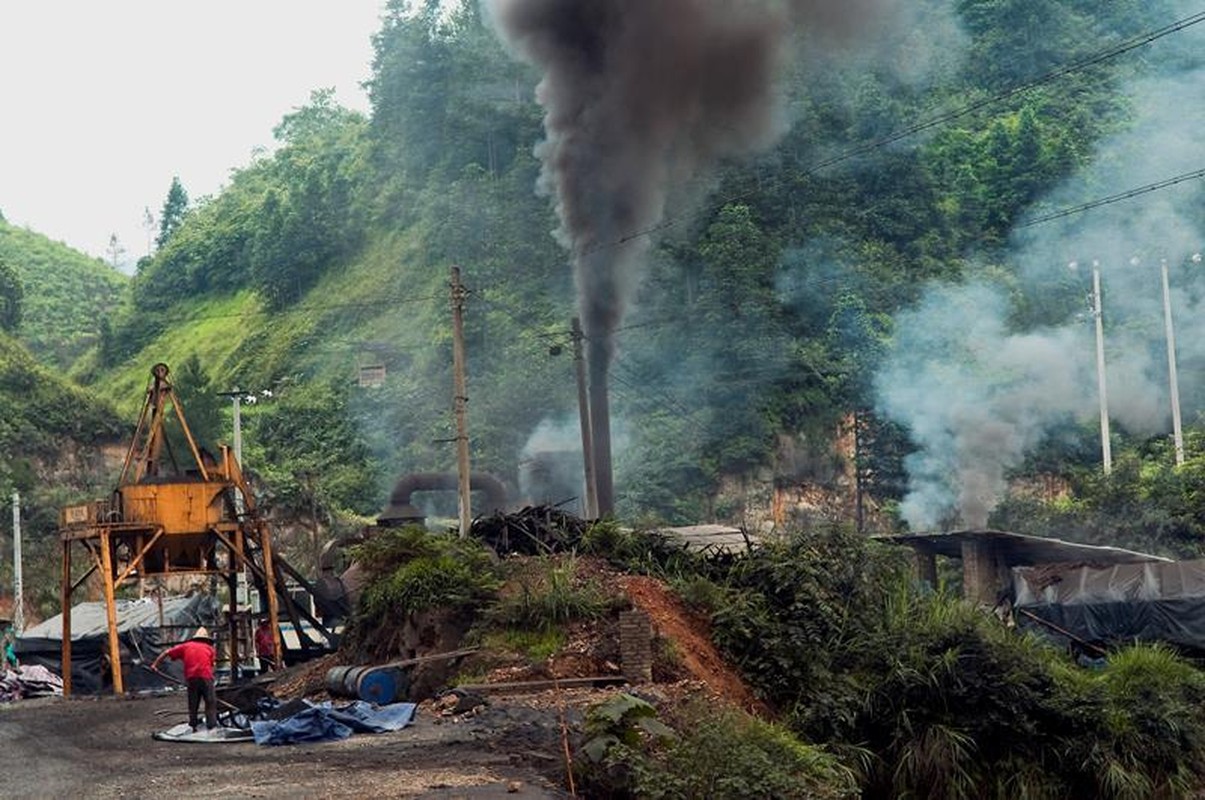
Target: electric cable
(1113, 198)
(1056, 74)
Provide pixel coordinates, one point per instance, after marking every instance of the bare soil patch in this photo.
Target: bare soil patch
(690, 634)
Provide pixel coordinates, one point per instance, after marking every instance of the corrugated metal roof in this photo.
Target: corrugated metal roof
(89, 619)
(720, 537)
(1019, 549)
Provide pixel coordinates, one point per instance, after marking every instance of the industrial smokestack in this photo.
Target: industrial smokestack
(600, 427)
(641, 99)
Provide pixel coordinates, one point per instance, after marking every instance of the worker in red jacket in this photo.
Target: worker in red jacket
(199, 657)
(265, 646)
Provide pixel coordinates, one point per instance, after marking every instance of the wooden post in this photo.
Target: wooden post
(460, 402)
(265, 543)
(106, 566)
(66, 598)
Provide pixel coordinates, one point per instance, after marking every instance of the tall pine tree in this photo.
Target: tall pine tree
(174, 209)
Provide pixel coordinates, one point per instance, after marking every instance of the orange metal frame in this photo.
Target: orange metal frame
(158, 523)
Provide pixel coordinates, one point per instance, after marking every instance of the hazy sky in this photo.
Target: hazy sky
(101, 103)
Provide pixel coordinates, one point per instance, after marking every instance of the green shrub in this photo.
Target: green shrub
(948, 702)
(1146, 735)
(646, 552)
(709, 751)
(411, 570)
(550, 595)
(700, 593)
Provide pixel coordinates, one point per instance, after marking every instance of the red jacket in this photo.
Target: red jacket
(198, 657)
(264, 645)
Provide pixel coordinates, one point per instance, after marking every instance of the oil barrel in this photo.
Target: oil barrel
(342, 681)
(379, 685)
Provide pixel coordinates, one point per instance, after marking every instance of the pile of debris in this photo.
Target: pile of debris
(531, 531)
(29, 680)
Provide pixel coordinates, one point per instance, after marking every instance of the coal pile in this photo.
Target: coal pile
(531, 531)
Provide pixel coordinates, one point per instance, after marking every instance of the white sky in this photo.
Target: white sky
(101, 103)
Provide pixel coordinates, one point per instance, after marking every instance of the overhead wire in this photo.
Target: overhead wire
(248, 313)
(1113, 198)
(1056, 74)
(1051, 76)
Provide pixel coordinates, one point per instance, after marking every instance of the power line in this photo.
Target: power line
(1114, 198)
(1056, 74)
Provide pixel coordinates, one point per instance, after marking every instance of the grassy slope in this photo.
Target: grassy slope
(386, 305)
(39, 408)
(213, 329)
(66, 293)
(372, 299)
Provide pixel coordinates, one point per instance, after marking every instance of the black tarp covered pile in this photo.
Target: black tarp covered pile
(1155, 601)
(141, 636)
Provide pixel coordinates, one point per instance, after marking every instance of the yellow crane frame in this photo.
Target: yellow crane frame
(203, 519)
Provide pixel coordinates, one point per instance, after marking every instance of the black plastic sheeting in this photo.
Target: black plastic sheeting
(139, 635)
(1106, 606)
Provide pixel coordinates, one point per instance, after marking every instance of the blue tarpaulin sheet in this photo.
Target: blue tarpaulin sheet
(324, 722)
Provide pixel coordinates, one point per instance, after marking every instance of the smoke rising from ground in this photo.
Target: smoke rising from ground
(642, 97)
(978, 395)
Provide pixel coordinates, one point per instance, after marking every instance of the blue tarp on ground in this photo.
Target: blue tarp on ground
(324, 722)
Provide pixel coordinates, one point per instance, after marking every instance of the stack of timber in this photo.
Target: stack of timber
(532, 531)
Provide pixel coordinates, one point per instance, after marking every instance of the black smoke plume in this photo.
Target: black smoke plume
(642, 96)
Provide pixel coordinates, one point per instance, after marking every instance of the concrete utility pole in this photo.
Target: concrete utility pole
(1094, 308)
(237, 395)
(1097, 314)
(590, 506)
(242, 587)
(1174, 387)
(18, 585)
(460, 402)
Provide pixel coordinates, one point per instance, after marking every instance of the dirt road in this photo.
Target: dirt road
(102, 748)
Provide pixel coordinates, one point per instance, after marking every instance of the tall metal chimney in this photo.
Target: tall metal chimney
(599, 358)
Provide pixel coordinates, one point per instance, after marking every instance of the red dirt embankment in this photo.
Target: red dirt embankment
(689, 633)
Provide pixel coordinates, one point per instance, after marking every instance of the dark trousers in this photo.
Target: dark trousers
(198, 688)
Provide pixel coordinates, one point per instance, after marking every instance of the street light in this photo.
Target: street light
(1095, 309)
(238, 397)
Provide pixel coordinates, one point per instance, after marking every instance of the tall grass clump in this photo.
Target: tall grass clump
(546, 593)
(410, 570)
(701, 750)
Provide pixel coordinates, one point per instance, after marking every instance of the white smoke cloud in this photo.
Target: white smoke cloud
(977, 396)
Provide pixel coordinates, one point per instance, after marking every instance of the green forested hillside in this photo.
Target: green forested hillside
(66, 296)
(765, 307)
(51, 434)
